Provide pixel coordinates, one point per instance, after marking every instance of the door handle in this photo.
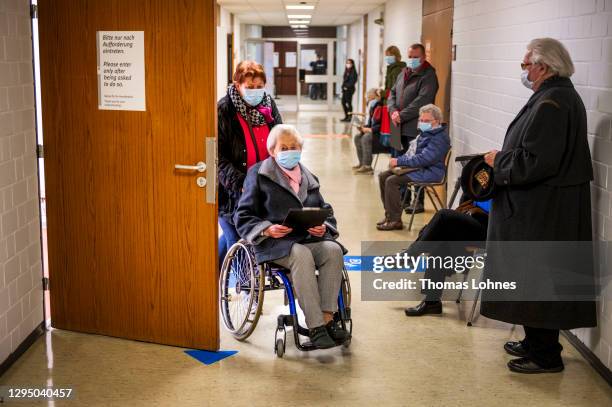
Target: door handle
(200, 167)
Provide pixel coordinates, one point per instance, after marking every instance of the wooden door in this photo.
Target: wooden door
(132, 241)
(285, 78)
(437, 38)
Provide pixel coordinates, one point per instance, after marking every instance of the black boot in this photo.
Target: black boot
(424, 307)
(516, 349)
(526, 365)
(335, 331)
(320, 338)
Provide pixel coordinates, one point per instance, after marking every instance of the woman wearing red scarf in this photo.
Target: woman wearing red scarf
(245, 117)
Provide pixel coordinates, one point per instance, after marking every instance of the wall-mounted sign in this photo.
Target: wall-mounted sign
(121, 70)
(290, 59)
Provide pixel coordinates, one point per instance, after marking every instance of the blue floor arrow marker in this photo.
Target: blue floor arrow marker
(208, 358)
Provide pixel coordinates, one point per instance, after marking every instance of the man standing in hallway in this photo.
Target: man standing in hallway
(543, 196)
(415, 87)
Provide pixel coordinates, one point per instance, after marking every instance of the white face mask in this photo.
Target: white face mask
(525, 79)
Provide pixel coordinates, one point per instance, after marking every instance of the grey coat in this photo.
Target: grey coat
(408, 97)
(543, 174)
(266, 200)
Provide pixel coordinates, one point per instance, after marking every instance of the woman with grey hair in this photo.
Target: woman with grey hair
(273, 187)
(425, 159)
(542, 175)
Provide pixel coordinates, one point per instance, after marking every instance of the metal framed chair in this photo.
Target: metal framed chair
(475, 251)
(430, 190)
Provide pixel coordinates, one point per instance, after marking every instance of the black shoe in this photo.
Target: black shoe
(526, 365)
(425, 307)
(346, 119)
(515, 349)
(419, 209)
(320, 338)
(335, 331)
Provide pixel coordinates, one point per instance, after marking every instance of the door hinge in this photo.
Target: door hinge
(33, 11)
(45, 283)
(40, 151)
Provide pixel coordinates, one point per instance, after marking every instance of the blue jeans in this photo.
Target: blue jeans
(229, 237)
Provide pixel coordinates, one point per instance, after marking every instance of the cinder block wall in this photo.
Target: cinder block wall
(491, 36)
(21, 299)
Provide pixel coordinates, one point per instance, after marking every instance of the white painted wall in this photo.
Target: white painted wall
(491, 37)
(374, 73)
(403, 21)
(21, 295)
(238, 46)
(223, 28)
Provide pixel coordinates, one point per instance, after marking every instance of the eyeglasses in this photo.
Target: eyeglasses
(524, 65)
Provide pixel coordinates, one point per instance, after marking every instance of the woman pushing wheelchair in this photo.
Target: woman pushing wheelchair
(273, 187)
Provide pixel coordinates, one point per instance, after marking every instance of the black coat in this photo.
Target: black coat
(543, 174)
(408, 97)
(267, 199)
(349, 80)
(232, 155)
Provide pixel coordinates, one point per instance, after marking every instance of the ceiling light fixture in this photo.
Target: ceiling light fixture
(299, 16)
(299, 21)
(299, 7)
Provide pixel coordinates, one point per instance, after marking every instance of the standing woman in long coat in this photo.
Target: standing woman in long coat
(542, 176)
(349, 81)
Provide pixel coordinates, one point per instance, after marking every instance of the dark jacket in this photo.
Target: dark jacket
(543, 175)
(393, 71)
(408, 97)
(431, 150)
(349, 80)
(232, 155)
(374, 122)
(267, 199)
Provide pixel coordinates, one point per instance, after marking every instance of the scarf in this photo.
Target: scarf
(258, 115)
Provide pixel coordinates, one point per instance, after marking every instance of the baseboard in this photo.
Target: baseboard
(589, 356)
(25, 345)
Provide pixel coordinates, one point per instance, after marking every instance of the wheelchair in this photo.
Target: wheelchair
(242, 286)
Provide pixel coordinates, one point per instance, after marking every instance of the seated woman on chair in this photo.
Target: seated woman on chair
(369, 133)
(271, 188)
(425, 157)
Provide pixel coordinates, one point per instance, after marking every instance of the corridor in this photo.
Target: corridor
(393, 360)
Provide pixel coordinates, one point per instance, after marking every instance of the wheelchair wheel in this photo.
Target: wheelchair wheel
(241, 290)
(279, 348)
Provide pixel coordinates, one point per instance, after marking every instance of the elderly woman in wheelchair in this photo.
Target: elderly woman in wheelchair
(273, 187)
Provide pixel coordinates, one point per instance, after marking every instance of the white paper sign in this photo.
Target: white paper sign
(290, 59)
(121, 70)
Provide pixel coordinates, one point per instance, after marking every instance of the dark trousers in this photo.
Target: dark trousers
(543, 346)
(390, 193)
(436, 238)
(229, 237)
(347, 101)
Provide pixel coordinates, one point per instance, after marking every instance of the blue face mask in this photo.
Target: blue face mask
(424, 126)
(288, 159)
(253, 96)
(389, 59)
(413, 63)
